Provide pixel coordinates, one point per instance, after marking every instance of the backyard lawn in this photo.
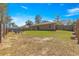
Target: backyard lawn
(39, 43)
(59, 34)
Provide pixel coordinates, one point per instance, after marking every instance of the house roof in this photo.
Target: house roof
(43, 23)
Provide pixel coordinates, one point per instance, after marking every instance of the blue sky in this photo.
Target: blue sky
(21, 12)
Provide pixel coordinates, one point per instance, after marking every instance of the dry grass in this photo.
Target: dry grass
(33, 43)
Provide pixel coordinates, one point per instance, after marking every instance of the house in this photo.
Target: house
(43, 26)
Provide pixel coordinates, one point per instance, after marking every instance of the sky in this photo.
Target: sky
(21, 12)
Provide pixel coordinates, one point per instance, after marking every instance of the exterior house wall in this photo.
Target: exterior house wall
(44, 27)
(59, 27)
(33, 28)
(52, 26)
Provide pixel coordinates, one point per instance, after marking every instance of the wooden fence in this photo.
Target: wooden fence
(76, 32)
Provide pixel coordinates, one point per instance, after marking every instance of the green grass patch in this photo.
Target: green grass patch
(39, 33)
(59, 34)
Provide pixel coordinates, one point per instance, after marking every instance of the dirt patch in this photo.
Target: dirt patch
(20, 45)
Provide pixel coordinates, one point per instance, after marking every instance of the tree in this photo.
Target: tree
(29, 22)
(59, 23)
(70, 22)
(37, 19)
(3, 8)
(44, 21)
(57, 20)
(6, 22)
(13, 25)
(74, 23)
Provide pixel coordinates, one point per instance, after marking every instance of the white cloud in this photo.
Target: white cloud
(24, 7)
(69, 15)
(73, 11)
